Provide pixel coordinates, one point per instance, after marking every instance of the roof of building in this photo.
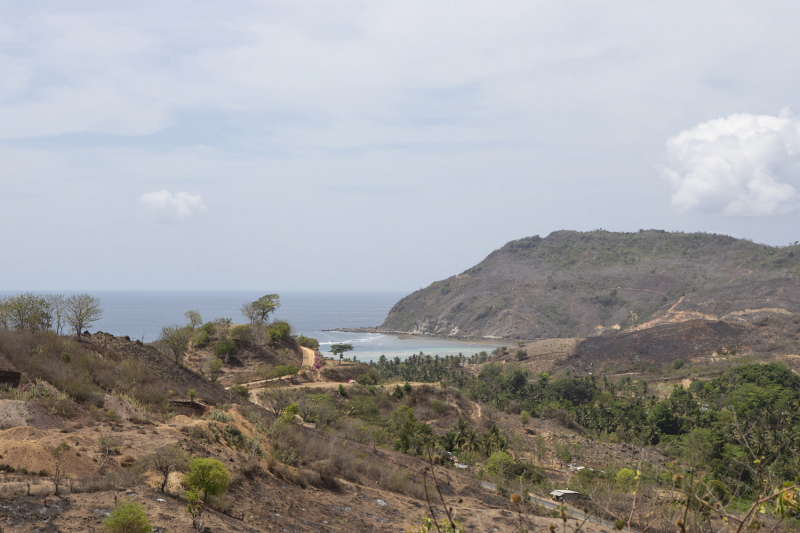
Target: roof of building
(563, 492)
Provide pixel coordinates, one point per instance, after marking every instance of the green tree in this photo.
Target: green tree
(127, 517)
(340, 349)
(499, 464)
(209, 476)
(225, 348)
(194, 318)
(258, 312)
(82, 311)
(28, 311)
(176, 338)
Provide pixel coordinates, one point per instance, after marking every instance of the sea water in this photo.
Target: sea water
(142, 314)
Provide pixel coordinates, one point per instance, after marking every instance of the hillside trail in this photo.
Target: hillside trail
(308, 356)
(739, 277)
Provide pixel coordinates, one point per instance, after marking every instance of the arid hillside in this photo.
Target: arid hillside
(573, 284)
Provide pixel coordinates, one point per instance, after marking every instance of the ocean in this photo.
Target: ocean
(142, 314)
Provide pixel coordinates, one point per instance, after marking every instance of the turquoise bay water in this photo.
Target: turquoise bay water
(142, 314)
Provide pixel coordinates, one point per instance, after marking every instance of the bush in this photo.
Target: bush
(439, 406)
(369, 378)
(308, 342)
(219, 416)
(279, 331)
(208, 328)
(225, 347)
(499, 464)
(241, 332)
(288, 414)
(201, 339)
(285, 370)
(127, 517)
(241, 391)
(81, 391)
(407, 387)
(208, 475)
(625, 479)
(342, 392)
(398, 392)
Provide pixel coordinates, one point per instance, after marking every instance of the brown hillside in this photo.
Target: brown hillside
(573, 284)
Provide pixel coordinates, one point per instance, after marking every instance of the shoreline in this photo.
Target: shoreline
(477, 340)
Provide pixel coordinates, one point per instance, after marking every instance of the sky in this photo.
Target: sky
(352, 145)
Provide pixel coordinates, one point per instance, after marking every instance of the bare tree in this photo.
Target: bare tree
(176, 338)
(106, 445)
(223, 327)
(250, 312)
(276, 399)
(82, 311)
(58, 474)
(5, 312)
(57, 306)
(166, 459)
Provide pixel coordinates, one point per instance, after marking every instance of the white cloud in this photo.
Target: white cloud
(745, 165)
(168, 207)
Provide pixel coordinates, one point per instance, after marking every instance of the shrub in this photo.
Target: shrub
(366, 379)
(215, 365)
(279, 331)
(407, 387)
(81, 391)
(219, 416)
(241, 332)
(522, 355)
(525, 417)
(625, 479)
(225, 347)
(201, 339)
(308, 342)
(127, 517)
(241, 391)
(438, 406)
(363, 406)
(342, 392)
(499, 463)
(208, 475)
(285, 370)
(208, 328)
(398, 392)
(288, 414)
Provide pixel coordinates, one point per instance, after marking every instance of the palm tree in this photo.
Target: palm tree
(471, 441)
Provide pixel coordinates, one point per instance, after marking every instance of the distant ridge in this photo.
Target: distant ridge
(579, 284)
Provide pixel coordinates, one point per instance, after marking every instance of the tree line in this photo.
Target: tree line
(36, 312)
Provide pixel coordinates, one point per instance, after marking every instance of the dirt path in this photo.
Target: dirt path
(308, 356)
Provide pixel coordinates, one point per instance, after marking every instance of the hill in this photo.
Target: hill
(574, 284)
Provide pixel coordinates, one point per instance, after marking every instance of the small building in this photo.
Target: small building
(566, 495)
